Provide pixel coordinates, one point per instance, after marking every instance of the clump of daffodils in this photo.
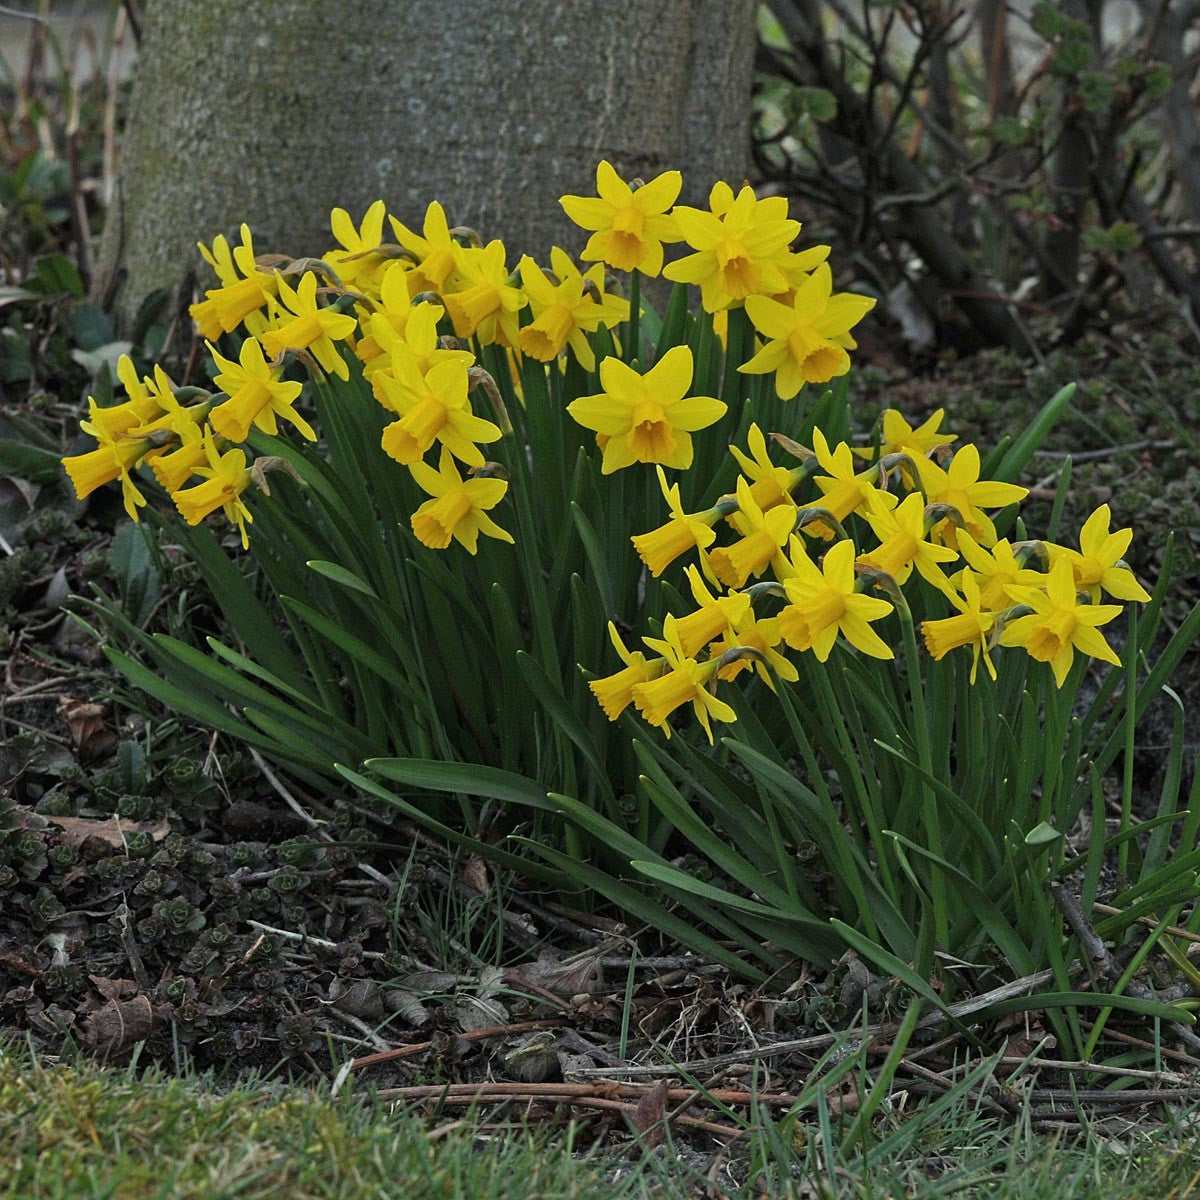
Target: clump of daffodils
(412, 310)
(818, 542)
(823, 546)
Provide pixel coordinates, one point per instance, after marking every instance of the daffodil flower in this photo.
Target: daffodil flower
(1096, 562)
(487, 304)
(244, 289)
(683, 532)
(764, 535)
(614, 693)
(417, 347)
(564, 313)
(436, 251)
(311, 327)
(173, 466)
(902, 545)
(1059, 625)
(683, 681)
(960, 487)
(970, 628)
(761, 634)
(113, 458)
(770, 485)
(225, 478)
(458, 510)
(741, 246)
(823, 602)
(899, 437)
(995, 568)
(628, 225)
(715, 615)
(646, 417)
(358, 262)
(257, 396)
(806, 340)
(435, 407)
(843, 491)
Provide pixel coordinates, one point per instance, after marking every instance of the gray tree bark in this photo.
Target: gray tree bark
(275, 113)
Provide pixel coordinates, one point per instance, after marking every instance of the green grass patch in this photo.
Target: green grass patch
(82, 1131)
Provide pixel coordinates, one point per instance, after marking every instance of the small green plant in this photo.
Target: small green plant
(908, 760)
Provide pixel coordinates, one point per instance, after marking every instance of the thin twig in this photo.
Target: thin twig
(474, 1036)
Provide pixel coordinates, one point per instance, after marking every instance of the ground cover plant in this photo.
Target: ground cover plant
(939, 809)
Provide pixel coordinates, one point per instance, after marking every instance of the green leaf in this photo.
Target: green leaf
(133, 569)
(464, 779)
(91, 327)
(341, 576)
(503, 858)
(22, 461)
(56, 275)
(1042, 834)
(1021, 453)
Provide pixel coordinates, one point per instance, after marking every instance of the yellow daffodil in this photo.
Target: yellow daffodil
(143, 403)
(173, 466)
(970, 628)
(683, 681)
(960, 487)
(434, 407)
(1059, 625)
(902, 545)
(244, 289)
(310, 327)
(487, 304)
(762, 634)
(436, 252)
(712, 618)
(628, 225)
(1097, 561)
(387, 321)
(224, 480)
(823, 602)
(995, 568)
(646, 417)
(614, 693)
(358, 263)
(763, 536)
(459, 507)
(417, 347)
(257, 396)
(769, 485)
(740, 246)
(842, 491)
(113, 458)
(683, 532)
(564, 313)
(899, 437)
(805, 341)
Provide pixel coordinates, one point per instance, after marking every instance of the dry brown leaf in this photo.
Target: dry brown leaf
(114, 989)
(112, 830)
(581, 974)
(117, 1027)
(475, 875)
(649, 1114)
(91, 738)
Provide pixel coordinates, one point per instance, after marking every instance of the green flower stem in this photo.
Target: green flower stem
(832, 707)
(1130, 728)
(635, 315)
(920, 730)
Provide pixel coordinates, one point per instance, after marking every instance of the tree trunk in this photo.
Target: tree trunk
(275, 113)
